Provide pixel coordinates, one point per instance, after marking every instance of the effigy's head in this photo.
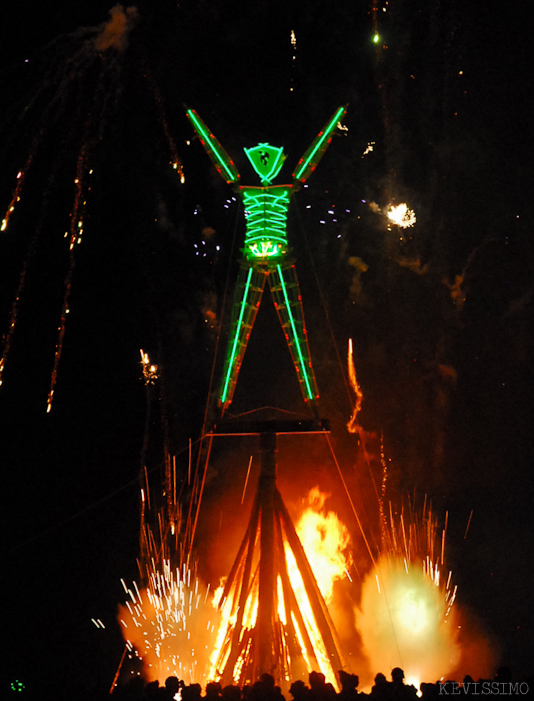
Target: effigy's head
(266, 160)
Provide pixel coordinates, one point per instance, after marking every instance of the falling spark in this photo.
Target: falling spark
(468, 524)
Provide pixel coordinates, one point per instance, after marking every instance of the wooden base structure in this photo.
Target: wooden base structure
(280, 638)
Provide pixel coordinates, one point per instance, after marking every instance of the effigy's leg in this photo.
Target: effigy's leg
(285, 291)
(247, 298)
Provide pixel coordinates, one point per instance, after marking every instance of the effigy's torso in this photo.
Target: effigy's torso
(266, 220)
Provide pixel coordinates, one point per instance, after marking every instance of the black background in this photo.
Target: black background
(448, 385)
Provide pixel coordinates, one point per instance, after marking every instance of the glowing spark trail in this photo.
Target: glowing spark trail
(80, 74)
(352, 425)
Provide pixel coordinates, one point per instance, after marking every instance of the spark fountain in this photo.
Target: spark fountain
(406, 616)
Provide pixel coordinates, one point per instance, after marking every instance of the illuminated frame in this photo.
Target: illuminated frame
(266, 216)
(216, 152)
(224, 394)
(266, 210)
(295, 334)
(313, 155)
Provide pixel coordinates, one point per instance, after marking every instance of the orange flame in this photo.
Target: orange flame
(325, 540)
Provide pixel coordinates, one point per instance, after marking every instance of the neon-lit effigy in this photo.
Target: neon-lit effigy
(265, 251)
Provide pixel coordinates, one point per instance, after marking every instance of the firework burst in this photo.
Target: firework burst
(405, 614)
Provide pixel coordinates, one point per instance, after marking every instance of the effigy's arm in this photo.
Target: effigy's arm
(313, 155)
(221, 160)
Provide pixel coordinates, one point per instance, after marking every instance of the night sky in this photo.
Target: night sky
(440, 314)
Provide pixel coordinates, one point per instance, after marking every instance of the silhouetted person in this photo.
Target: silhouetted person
(349, 684)
(133, 690)
(430, 692)
(319, 689)
(169, 691)
(152, 691)
(401, 692)
(193, 692)
(213, 691)
(299, 691)
(230, 693)
(468, 687)
(381, 689)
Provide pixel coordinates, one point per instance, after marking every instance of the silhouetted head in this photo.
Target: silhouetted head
(213, 689)
(316, 679)
(348, 681)
(268, 680)
(380, 679)
(231, 693)
(298, 689)
(172, 685)
(397, 674)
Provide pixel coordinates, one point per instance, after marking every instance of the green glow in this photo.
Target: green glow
(376, 38)
(312, 156)
(265, 248)
(295, 335)
(266, 217)
(266, 160)
(236, 337)
(218, 155)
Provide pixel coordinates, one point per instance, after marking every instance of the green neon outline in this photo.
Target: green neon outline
(200, 127)
(275, 168)
(266, 212)
(238, 328)
(297, 342)
(326, 133)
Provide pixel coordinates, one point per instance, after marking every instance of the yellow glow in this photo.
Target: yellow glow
(401, 215)
(412, 612)
(150, 370)
(325, 540)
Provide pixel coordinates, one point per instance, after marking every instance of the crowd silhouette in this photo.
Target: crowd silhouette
(318, 689)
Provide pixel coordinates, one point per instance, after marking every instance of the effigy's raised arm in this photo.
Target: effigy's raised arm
(221, 160)
(313, 155)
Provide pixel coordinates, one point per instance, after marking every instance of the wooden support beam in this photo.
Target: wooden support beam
(320, 611)
(267, 487)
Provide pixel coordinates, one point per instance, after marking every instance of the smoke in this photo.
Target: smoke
(413, 264)
(114, 33)
(360, 267)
